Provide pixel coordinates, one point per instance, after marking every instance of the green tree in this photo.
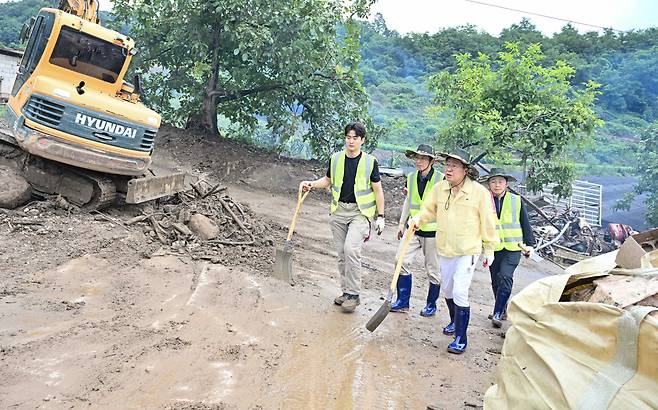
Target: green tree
(292, 65)
(523, 33)
(646, 161)
(517, 109)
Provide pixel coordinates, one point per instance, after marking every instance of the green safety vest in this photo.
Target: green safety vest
(414, 195)
(365, 196)
(509, 224)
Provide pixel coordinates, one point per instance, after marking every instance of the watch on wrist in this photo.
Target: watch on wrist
(380, 215)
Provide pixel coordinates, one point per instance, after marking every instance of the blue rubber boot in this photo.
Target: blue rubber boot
(462, 315)
(500, 307)
(450, 329)
(432, 296)
(403, 294)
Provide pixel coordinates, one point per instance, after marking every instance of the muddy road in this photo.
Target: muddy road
(94, 314)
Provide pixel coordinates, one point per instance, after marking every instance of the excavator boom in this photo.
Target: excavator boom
(85, 9)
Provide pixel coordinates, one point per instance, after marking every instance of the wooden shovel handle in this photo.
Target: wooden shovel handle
(300, 199)
(403, 252)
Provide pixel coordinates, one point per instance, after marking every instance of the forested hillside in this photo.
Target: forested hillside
(14, 14)
(396, 68)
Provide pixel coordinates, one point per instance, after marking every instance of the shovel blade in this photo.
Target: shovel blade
(283, 264)
(379, 316)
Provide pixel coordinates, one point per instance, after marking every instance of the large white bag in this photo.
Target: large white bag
(578, 355)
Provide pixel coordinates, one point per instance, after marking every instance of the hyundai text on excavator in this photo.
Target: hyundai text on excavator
(86, 134)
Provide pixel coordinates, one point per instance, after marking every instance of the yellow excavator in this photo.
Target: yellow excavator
(85, 132)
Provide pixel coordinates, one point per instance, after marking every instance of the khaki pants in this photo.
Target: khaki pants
(426, 246)
(349, 228)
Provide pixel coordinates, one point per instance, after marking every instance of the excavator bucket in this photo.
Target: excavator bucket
(154, 186)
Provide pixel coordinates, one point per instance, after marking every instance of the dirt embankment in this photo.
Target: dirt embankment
(96, 313)
(243, 165)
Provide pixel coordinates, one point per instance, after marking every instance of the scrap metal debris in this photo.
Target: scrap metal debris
(565, 237)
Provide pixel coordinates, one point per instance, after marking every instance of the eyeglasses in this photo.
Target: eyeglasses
(453, 165)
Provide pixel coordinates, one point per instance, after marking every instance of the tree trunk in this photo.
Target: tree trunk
(209, 107)
(209, 115)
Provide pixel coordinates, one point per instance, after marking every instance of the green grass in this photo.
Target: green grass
(603, 170)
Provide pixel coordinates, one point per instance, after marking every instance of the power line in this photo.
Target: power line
(543, 15)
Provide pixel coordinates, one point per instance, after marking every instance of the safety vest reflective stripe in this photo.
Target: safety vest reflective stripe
(415, 200)
(363, 207)
(363, 192)
(335, 187)
(509, 224)
(516, 239)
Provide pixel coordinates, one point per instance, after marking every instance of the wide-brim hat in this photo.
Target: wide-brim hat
(465, 158)
(423, 149)
(498, 172)
(460, 155)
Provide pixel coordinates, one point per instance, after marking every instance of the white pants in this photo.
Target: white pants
(457, 274)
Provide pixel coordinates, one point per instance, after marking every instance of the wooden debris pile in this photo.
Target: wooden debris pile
(205, 223)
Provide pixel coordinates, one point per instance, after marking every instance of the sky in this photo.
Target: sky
(406, 16)
(420, 16)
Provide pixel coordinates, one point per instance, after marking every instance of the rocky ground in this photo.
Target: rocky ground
(122, 309)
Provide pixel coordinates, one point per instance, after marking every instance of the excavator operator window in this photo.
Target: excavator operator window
(88, 55)
(36, 45)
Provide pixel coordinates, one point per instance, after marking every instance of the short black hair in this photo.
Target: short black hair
(357, 127)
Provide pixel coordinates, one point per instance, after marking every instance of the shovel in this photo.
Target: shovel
(380, 315)
(283, 261)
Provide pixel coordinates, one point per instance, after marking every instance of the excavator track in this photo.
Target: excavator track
(88, 190)
(105, 192)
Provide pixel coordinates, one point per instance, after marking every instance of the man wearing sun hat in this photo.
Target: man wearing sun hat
(513, 226)
(465, 229)
(419, 185)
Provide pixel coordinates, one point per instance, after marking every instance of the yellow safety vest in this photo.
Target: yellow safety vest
(365, 196)
(509, 224)
(414, 195)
